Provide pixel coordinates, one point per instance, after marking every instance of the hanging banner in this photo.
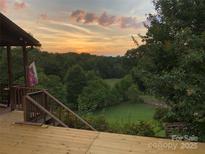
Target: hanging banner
(32, 75)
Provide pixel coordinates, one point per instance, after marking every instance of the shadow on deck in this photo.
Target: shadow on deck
(27, 139)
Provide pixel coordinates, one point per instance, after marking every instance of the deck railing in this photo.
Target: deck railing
(176, 127)
(17, 94)
(4, 95)
(42, 107)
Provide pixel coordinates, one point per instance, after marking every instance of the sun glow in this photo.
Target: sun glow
(94, 30)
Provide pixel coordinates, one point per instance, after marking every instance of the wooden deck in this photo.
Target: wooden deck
(27, 139)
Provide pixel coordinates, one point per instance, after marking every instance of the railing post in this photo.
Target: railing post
(45, 105)
(14, 95)
(10, 73)
(12, 99)
(25, 109)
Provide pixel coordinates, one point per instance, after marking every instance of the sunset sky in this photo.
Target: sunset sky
(102, 27)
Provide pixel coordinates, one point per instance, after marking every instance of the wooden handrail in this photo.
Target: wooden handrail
(53, 108)
(45, 110)
(69, 110)
(28, 88)
(36, 92)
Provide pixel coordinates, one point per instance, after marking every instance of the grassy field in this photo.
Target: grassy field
(124, 113)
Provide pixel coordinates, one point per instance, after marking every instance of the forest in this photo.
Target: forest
(169, 66)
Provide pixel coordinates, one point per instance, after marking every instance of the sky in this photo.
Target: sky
(101, 27)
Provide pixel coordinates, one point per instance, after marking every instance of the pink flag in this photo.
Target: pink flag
(32, 75)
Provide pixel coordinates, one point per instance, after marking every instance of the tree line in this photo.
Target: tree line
(75, 79)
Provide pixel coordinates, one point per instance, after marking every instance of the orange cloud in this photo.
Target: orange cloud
(3, 5)
(20, 5)
(105, 19)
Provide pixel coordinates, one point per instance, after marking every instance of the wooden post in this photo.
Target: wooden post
(25, 109)
(9, 72)
(25, 63)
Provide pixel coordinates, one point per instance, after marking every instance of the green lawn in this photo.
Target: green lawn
(122, 114)
(125, 113)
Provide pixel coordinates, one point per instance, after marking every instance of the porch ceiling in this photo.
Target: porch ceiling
(12, 35)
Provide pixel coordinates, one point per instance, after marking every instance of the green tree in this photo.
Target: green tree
(91, 75)
(75, 82)
(133, 94)
(53, 84)
(175, 48)
(121, 88)
(94, 96)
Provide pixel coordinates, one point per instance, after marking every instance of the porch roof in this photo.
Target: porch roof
(12, 35)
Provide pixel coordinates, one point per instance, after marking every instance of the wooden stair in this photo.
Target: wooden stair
(42, 107)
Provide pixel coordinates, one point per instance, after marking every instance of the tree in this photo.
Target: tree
(133, 94)
(178, 36)
(75, 82)
(91, 75)
(94, 96)
(54, 85)
(121, 88)
(175, 48)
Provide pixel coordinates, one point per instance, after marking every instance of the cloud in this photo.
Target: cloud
(90, 18)
(71, 26)
(45, 17)
(105, 19)
(3, 5)
(20, 5)
(78, 15)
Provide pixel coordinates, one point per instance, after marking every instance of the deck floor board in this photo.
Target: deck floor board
(29, 139)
